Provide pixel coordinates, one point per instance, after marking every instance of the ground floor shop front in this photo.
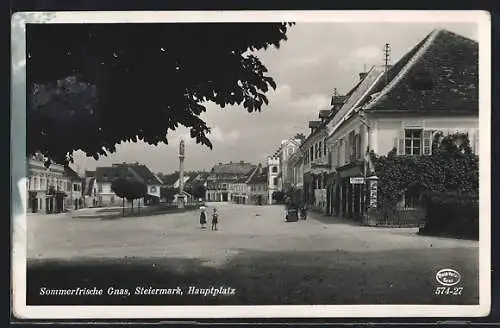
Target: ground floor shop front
(43, 202)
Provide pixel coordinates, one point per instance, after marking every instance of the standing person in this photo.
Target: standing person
(203, 216)
(215, 219)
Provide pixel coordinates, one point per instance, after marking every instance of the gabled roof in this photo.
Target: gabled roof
(170, 179)
(141, 171)
(439, 73)
(70, 173)
(109, 174)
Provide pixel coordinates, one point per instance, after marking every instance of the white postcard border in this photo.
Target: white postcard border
(19, 168)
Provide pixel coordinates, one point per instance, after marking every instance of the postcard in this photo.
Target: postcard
(250, 164)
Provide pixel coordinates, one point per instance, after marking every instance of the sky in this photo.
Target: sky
(316, 59)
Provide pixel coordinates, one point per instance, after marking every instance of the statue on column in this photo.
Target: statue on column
(181, 197)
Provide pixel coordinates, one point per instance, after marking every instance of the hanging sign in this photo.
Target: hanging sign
(357, 180)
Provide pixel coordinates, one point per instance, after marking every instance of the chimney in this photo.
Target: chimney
(362, 75)
(220, 163)
(242, 162)
(230, 162)
(260, 168)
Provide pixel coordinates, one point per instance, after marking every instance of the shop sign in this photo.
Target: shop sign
(357, 180)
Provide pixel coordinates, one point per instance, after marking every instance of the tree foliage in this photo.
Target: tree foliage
(451, 167)
(151, 78)
(168, 193)
(129, 189)
(197, 190)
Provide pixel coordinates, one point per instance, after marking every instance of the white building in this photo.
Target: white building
(47, 187)
(273, 171)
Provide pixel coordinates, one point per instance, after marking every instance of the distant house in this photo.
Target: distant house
(89, 189)
(152, 181)
(47, 187)
(222, 176)
(74, 197)
(98, 183)
(258, 186)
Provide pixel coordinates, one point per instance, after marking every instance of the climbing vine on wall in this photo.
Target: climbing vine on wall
(451, 167)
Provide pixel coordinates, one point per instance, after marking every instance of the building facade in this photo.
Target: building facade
(273, 174)
(75, 197)
(47, 187)
(98, 184)
(433, 88)
(257, 186)
(220, 183)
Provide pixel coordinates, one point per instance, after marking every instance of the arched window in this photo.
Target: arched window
(275, 169)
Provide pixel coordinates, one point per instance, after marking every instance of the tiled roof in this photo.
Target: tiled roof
(72, 174)
(142, 171)
(170, 179)
(109, 174)
(258, 178)
(444, 77)
(233, 168)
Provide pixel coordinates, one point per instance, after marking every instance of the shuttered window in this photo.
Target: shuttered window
(415, 142)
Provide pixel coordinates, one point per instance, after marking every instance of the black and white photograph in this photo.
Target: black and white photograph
(250, 164)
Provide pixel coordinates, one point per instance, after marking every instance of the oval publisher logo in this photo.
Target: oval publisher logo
(448, 277)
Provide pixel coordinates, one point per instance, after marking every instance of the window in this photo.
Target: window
(311, 153)
(75, 187)
(99, 187)
(413, 142)
(320, 150)
(275, 169)
(112, 199)
(324, 148)
(153, 189)
(275, 181)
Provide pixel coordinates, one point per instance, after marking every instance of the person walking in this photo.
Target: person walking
(215, 219)
(203, 216)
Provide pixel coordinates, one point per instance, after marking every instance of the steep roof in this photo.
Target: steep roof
(439, 73)
(110, 173)
(70, 173)
(259, 177)
(170, 179)
(142, 171)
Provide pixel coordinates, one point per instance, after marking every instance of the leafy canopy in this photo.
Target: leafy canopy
(451, 167)
(129, 188)
(93, 86)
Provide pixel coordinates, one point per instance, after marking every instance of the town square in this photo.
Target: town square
(267, 260)
(285, 164)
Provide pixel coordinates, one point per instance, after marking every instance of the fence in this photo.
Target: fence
(395, 217)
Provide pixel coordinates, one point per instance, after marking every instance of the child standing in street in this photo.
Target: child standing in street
(203, 217)
(215, 219)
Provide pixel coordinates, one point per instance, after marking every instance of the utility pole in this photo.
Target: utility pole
(387, 58)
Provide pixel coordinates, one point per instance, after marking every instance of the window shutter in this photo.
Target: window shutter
(401, 142)
(427, 142)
